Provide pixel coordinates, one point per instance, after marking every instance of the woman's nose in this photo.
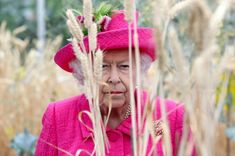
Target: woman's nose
(114, 76)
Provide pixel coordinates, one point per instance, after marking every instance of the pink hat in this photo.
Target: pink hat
(114, 36)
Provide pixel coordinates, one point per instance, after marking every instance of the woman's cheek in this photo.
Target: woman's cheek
(101, 95)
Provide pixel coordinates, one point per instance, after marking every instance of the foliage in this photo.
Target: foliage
(24, 143)
(230, 132)
(18, 13)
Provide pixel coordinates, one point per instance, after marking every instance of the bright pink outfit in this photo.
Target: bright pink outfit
(62, 129)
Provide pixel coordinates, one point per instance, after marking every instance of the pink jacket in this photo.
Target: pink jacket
(62, 131)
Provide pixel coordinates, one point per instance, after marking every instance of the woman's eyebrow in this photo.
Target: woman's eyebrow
(121, 61)
(106, 61)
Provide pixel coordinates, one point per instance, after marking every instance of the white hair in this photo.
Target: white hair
(145, 62)
(77, 71)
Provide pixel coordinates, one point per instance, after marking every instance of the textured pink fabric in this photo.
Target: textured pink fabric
(62, 129)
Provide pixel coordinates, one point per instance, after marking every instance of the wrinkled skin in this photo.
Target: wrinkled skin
(116, 76)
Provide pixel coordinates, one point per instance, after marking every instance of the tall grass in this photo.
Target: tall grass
(196, 79)
(91, 65)
(27, 85)
(189, 71)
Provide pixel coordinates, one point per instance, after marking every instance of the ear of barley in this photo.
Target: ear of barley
(182, 78)
(76, 48)
(92, 33)
(84, 65)
(74, 26)
(129, 9)
(90, 71)
(216, 21)
(160, 24)
(203, 103)
(76, 65)
(181, 65)
(199, 103)
(87, 13)
(19, 30)
(98, 63)
(182, 5)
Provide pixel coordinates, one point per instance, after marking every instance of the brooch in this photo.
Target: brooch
(157, 127)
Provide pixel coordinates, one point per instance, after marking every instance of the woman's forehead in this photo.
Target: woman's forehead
(116, 55)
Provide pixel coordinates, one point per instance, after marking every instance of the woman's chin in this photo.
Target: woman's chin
(116, 103)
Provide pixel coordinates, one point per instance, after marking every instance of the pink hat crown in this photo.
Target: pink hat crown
(118, 21)
(115, 21)
(113, 35)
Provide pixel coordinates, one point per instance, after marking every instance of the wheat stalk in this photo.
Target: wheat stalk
(132, 101)
(91, 70)
(87, 12)
(92, 37)
(194, 82)
(74, 26)
(129, 10)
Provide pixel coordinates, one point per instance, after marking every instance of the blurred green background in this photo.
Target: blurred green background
(24, 13)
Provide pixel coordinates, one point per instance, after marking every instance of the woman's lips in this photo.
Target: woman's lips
(114, 92)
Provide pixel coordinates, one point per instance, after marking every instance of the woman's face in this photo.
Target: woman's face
(116, 75)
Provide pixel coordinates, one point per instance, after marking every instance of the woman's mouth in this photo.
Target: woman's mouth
(114, 92)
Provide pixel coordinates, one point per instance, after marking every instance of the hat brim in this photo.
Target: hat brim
(116, 39)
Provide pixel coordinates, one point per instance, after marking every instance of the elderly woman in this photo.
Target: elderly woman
(62, 132)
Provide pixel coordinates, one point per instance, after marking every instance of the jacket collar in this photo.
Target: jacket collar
(86, 123)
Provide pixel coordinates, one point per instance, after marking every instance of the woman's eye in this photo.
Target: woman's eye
(105, 66)
(124, 66)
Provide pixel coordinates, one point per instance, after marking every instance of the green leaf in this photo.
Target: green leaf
(24, 143)
(230, 133)
(104, 9)
(229, 100)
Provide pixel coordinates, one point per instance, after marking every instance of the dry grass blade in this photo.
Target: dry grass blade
(26, 86)
(98, 62)
(129, 10)
(91, 64)
(87, 12)
(132, 100)
(92, 32)
(196, 87)
(73, 25)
